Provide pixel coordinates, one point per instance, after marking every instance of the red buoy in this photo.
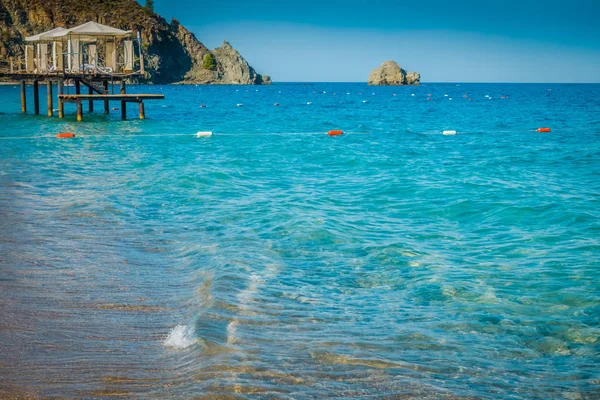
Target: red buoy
(335, 133)
(65, 135)
(544, 130)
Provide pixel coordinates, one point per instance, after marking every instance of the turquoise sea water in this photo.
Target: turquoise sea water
(273, 261)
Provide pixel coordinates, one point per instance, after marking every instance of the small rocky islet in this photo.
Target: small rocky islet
(391, 74)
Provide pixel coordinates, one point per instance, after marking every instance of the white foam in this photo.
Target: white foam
(448, 133)
(203, 134)
(181, 337)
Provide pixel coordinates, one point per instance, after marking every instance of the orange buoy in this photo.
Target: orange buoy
(544, 129)
(335, 133)
(65, 135)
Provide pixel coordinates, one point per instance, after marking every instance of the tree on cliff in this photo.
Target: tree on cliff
(149, 6)
(208, 62)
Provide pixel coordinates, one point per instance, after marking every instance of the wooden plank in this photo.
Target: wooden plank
(36, 98)
(23, 98)
(65, 75)
(61, 104)
(123, 103)
(50, 105)
(91, 102)
(105, 86)
(120, 97)
(79, 111)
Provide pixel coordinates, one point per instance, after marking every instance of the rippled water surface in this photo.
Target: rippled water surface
(271, 260)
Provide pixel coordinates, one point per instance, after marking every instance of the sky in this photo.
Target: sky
(444, 40)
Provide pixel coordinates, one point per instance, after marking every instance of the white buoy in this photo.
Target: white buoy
(412, 94)
(448, 133)
(203, 134)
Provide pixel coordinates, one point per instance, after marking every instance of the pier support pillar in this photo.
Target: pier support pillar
(105, 85)
(91, 102)
(123, 103)
(79, 111)
(50, 105)
(36, 97)
(77, 87)
(23, 98)
(61, 105)
(142, 111)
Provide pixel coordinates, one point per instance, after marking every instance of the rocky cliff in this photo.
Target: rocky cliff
(390, 73)
(231, 68)
(172, 53)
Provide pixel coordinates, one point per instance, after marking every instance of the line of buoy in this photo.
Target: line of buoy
(333, 132)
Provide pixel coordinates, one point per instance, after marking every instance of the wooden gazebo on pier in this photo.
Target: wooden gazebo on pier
(91, 54)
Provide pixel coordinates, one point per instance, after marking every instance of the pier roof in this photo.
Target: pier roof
(49, 35)
(95, 29)
(90, 29)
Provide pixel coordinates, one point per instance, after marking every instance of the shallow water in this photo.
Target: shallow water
(273, 260)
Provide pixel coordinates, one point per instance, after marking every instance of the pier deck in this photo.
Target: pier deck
(98, 87)
(133, 97)
(123, 98)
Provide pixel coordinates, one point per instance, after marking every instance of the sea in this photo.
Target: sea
(273, 261)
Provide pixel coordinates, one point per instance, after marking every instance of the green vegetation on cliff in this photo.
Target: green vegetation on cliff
(209, 61)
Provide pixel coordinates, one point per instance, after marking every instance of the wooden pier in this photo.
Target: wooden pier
(72, 55)
(98, 90)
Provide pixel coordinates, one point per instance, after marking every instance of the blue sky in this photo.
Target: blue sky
(446, 41)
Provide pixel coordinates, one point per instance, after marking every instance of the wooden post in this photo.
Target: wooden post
(142, 111)
(91, 102)
(23, 98)
(79, 110)
(50, 105)
(123, 103)
(105, 84)
(61, 104)
(77, 87)
(12, 66)
(36, 98)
